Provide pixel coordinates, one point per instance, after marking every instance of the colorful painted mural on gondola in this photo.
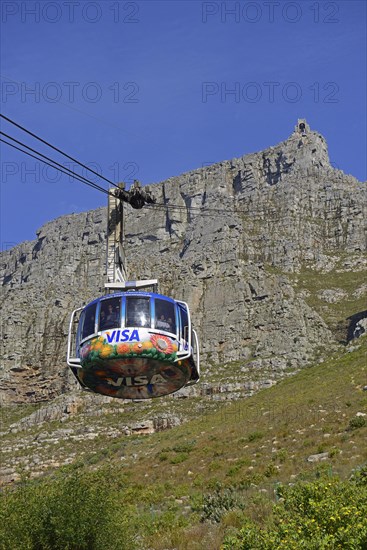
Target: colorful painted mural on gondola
(133, 364)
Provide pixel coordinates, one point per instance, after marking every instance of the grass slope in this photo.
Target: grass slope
(168, 482)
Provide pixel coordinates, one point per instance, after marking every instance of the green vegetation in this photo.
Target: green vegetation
(76, 512)
(100, 511)
(334, 314)
(357, 422)
(323, 514)
(234, 476)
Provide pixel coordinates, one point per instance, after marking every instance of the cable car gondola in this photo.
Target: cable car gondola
(131, 343)
(134, 344)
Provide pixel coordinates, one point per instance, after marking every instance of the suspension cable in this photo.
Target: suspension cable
(56, 149)
(63, 168)
(64, 171)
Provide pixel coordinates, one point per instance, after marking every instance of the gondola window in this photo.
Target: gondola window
(165, 316)
(89, 321)
(137, 312)
(110, 313)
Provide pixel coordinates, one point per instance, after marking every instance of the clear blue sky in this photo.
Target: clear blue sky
(143, 89)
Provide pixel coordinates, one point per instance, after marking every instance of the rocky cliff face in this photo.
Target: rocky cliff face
(229, 239)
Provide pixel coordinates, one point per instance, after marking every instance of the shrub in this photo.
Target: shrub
(356, 422)
(186, 447)
(72, 512)
(359, 476)
(322, 514)
(178, 458)
(254, 436)
(216, 504)
(270, 470)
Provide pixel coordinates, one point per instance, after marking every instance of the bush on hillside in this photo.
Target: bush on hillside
(325, 514)
(72, 512)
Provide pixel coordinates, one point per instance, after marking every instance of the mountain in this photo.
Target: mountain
(268, 249)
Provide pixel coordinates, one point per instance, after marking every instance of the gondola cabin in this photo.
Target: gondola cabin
(133, 344)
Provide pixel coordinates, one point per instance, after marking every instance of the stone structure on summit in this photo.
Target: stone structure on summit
(230, 240)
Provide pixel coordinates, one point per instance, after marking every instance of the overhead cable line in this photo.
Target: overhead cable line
(63, 168)
(56, 149)
(65, 171)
